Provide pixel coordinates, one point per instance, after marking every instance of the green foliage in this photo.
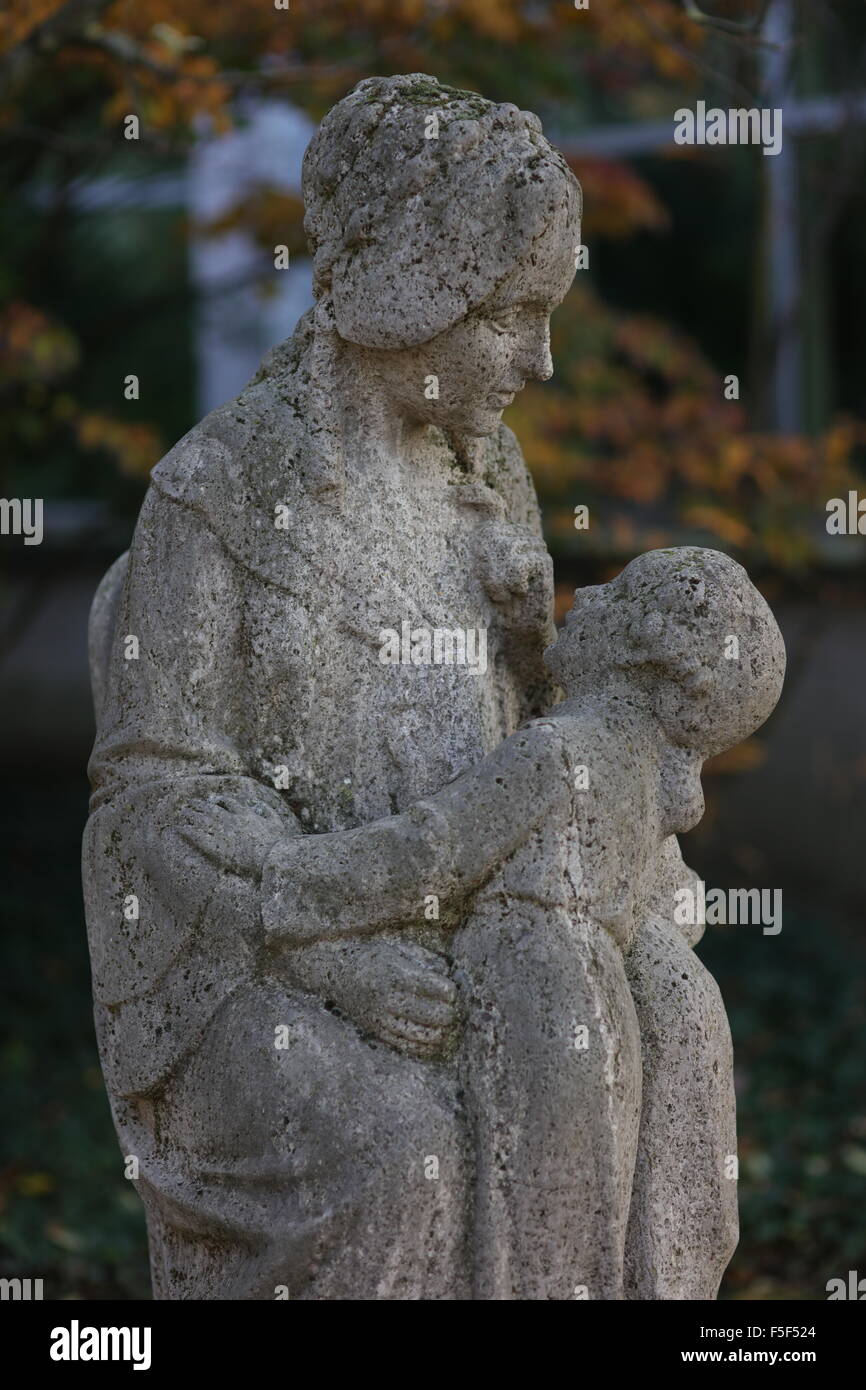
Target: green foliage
(67, 1214)
(797, 1006)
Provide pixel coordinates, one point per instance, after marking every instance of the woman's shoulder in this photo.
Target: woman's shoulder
(245, 450)
(226, 459)
(238, 475)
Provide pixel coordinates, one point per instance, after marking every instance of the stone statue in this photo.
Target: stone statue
(352, 897)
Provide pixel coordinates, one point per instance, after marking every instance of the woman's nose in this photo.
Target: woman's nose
(535, 360)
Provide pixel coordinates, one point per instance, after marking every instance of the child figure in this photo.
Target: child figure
(675, 660)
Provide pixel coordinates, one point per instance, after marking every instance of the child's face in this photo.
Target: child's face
(581, 650)
(681, 796)
(689, 718)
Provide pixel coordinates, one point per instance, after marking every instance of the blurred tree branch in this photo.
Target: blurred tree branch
(700, 64)
(132, 54)
(740, 28)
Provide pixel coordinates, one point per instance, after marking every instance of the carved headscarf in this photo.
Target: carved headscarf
(420, 199)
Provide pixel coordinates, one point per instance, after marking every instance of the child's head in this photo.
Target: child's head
(688, 629)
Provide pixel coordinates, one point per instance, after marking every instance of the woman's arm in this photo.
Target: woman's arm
(170, 733)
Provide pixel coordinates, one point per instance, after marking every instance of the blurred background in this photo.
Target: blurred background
(147, 249)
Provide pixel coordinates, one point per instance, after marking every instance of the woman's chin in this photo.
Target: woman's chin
(480, 424)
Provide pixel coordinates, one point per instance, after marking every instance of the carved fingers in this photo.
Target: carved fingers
(235, 833)
(418, 1003)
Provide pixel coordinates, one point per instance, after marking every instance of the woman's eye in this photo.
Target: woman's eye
(506, 322)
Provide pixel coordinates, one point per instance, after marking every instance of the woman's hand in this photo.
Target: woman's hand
(236, 834)
(392, 989)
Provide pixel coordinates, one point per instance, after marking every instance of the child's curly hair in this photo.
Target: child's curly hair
(685, 623)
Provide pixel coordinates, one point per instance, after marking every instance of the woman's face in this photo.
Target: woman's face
(464, 378)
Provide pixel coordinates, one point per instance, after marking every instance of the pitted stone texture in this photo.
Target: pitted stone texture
(340, 910)
(427, 224)
(596, 1057)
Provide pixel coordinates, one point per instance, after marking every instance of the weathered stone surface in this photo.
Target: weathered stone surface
(349, 903)
(574, 969)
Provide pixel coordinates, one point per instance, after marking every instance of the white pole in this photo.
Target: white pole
(782, 235)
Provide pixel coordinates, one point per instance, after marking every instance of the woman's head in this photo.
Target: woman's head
(688, 628)
(444, 229)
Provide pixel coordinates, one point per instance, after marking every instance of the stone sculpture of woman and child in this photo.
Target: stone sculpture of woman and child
(390, 995)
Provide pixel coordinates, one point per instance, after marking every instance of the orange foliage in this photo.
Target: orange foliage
(20, 19)
(616, 200)
(36, 354)
(135, 447)
(271, 216)
(33, 347)
(636, 426)
(151, 52)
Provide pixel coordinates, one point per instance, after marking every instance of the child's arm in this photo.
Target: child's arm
(373, 878)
